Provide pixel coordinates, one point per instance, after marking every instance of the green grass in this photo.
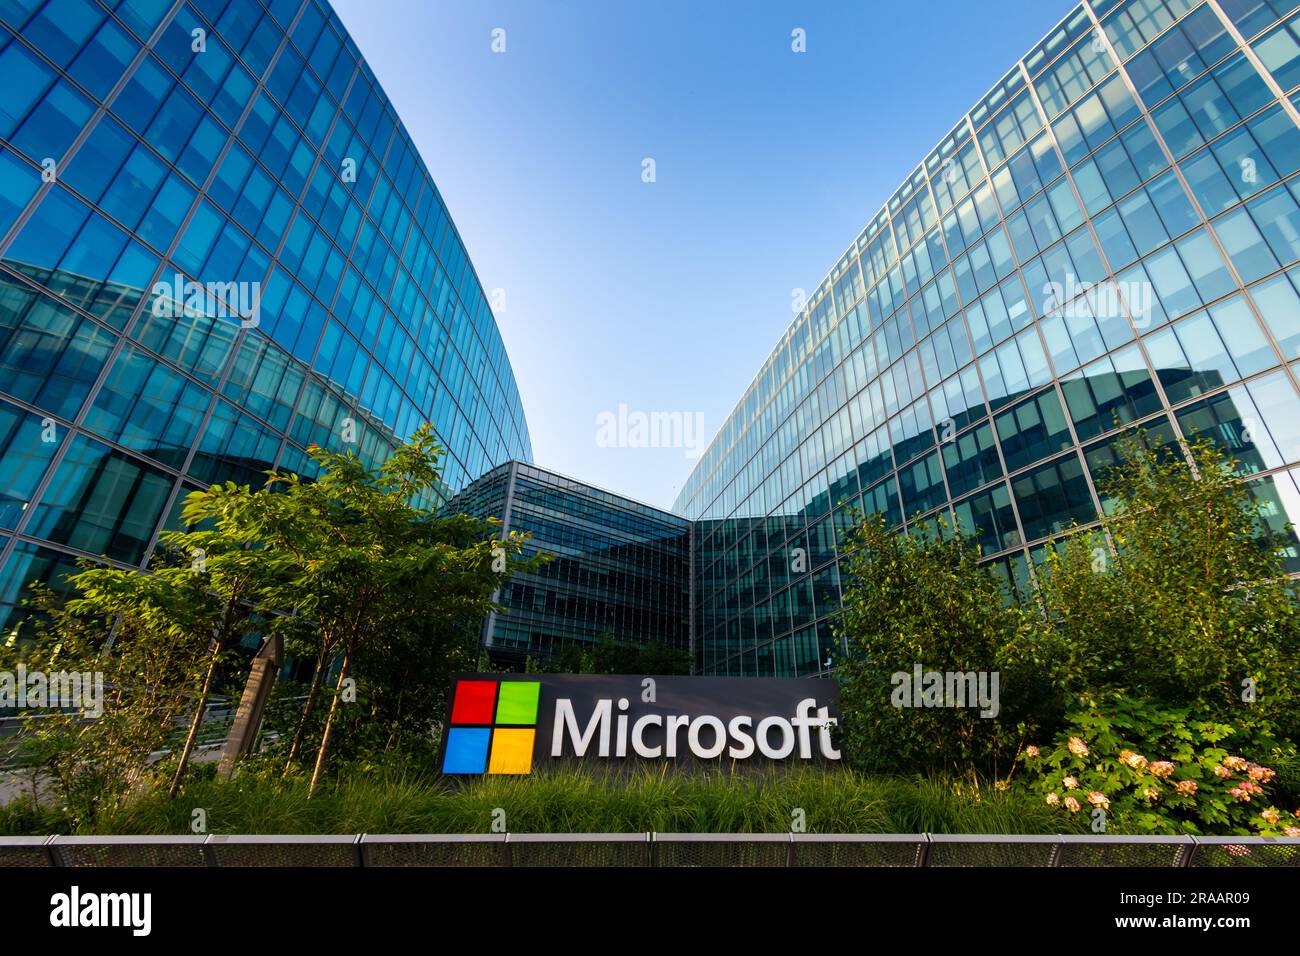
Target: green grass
(570, 802)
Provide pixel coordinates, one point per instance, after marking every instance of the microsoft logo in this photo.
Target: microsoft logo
(496, 725)
(493, 727)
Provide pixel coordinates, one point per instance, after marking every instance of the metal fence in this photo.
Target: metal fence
(648, 849)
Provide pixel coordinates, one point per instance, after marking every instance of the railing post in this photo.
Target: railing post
(923, 857)
(1055, 858)
(57, 856)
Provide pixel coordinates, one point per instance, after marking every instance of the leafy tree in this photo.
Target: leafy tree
(924, 598)
(95, 760)
(402, 682)
(195, 600)
(658, 657)
(1182, 597)
(612, 656)
(201, 593)
(378, 590)
(572, 658)
(380, 587)
(608, 655)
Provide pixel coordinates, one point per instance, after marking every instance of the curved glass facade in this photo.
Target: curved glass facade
(218, 246)
(1109, 238)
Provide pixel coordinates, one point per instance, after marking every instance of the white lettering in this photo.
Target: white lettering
(565, 719)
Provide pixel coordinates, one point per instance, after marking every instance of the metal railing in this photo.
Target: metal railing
(648, 849)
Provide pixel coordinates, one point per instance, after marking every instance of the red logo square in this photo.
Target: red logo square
(474, 702)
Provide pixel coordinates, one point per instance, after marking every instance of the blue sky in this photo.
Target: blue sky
(668, 296)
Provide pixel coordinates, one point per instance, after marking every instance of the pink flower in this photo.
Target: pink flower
(1186, 787)
(1031, 751)
(1260, 774)
(1130, 759)
(1246, 790)
(1072, 805)
(1098, 799)
(1291, 831)
(1235, 763)
(1078, 747)
(1162, 768)
(1271, 816)
(1151, 793)
(1053, 799)
(1071, 783)
(1222, 772)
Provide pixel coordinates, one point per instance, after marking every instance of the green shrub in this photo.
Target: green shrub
(1152, 769)
(923, 598)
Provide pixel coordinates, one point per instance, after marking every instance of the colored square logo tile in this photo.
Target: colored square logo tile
(489, 730)
(474, 702)
(467, 750)
(512, 750)
(517, 702)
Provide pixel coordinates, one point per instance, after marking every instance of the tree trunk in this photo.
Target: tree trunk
(197, 722)
(329, 727)
(397, 720)
(301, 732)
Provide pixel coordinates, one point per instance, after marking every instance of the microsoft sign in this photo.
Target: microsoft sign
(505, 723)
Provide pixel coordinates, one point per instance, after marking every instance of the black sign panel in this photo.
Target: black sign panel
(511, 723)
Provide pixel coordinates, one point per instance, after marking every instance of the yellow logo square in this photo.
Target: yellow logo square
(512, 750)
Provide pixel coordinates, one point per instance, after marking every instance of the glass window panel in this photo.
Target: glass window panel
(989, 519)
(1231, 421)
(101, 501)
(1279, 304)
(27, 446)
(1250, 255)
(1279, 51)
(49, 356)
(1051, 498)
(1032, 430)
(1212, 188)
(146, 406)
(1109, 393)
(971, 459)
(1243, 337)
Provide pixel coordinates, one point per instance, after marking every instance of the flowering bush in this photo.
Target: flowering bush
(1154, 770)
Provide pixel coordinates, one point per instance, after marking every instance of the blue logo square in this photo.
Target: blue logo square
(467, 750)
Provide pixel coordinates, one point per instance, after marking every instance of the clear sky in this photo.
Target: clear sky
(667, 296)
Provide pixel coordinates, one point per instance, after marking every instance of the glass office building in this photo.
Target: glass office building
(619, 568)
(218, 246)
(1108, 239)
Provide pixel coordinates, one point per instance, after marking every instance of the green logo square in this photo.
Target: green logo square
(517, 702)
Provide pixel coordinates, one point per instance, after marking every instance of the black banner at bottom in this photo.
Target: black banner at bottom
(226, 905)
